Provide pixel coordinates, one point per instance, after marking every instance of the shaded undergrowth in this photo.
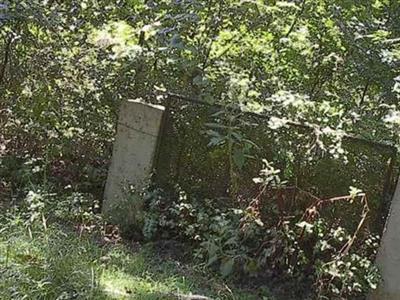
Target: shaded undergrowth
(41, 260)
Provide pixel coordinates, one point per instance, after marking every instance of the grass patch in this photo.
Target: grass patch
(40, 262)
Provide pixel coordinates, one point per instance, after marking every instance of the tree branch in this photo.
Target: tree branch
(303, 5)
(364, 93)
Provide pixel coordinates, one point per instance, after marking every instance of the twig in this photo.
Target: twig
(391, 41)
(314, 208)
(303, 5)
(346, 248)
(364, 93)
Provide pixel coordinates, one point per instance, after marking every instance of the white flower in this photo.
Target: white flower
(393, 117)
(276, 123)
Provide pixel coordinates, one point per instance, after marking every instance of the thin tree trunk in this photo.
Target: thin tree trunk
(6, 58)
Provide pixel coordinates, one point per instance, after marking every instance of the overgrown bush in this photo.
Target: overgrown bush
(331, 256)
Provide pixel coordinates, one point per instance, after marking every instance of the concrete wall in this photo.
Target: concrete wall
(388, 258)
(134, 150)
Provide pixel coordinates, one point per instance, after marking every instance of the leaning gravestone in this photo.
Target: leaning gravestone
(134, 150)
(388, 259)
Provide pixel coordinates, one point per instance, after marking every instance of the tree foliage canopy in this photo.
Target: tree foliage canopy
(331, 63)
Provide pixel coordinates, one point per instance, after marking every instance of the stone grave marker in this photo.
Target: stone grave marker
(134, 151)
(388, 259)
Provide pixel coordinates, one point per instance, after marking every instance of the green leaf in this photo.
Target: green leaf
(176, 42)
(215, 125)
(239, 158)
(226, 267)
(354, 192)
(212, 260)
(251, 266)
(215, 141)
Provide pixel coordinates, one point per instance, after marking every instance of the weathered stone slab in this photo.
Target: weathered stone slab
(134, 150)
(388, 258)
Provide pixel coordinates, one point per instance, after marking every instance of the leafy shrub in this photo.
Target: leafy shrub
(309, 247)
